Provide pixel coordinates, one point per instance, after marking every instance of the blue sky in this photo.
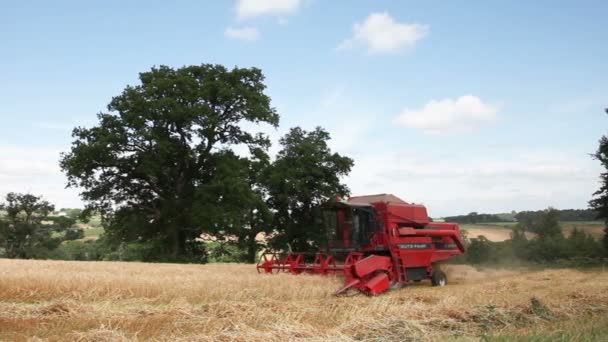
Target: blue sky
(461, 105)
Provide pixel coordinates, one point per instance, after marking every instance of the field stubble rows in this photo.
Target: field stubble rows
(108, 301)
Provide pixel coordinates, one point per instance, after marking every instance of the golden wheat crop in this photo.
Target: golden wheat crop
(107, 301)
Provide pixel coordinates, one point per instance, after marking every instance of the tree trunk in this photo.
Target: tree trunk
(606, 240)
(175, 242)
(251, 250)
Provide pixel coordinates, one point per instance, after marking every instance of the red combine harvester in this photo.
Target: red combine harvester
(378, 242)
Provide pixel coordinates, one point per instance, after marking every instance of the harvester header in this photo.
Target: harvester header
(377, 242)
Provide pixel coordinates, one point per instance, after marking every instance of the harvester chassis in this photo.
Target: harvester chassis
(391, 243)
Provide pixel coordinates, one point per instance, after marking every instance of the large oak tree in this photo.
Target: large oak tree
(160, 144)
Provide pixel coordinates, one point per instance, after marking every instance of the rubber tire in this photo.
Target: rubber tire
(439, 278)
(396, 285)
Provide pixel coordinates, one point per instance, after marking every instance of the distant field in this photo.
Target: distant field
(502, 224)
(93, 233)
(94, 221)
(111, 301)
(494, 231)
(595, 228)
(491, 232)
(501, 231)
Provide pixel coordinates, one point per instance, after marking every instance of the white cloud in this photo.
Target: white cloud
(249, 9)
(35, 170)
(448, 115)
(346, 135)
(380, 33)
(248, 34)
(489, 181)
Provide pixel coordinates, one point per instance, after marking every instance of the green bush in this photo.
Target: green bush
(548, 247)
(87, 250)
(225, 252)
(155, 251)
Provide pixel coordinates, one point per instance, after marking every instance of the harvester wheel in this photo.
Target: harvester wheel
(396, 285)
(439, 278)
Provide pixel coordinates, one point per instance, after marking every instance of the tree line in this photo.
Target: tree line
(564, 215)
(474, 217)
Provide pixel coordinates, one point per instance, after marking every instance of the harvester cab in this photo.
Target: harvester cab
(349, 227)
(376, 242)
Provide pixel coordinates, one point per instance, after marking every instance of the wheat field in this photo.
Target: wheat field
(110, 301)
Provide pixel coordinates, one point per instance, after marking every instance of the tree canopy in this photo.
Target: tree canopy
(235, 202)
(600, 200)
(161, 166)
(27, 230)
(160, 145)
(305, 174)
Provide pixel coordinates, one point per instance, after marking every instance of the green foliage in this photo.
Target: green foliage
(151, 250)
(220, 251)
(545, 225)
(158, 149)
(304, 175)
(92, 219)
(540, 309)
(547, 249)
(83, 250)
(519, 242)
(549, 246)
(474, 217)
(27, 231)
(524, 217)
(605, 241)
(234, 202)
(600, 200)
(159, 169)
(479, 250)
(93, 232)
(581, 244)
(104, 249)
(73, 213)
(572, 215)
(483, 251)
